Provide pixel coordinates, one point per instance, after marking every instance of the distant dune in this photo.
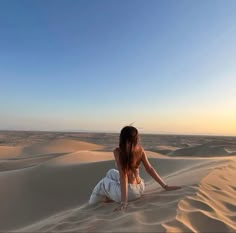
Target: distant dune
(59, 146)
(45, 148)
(201, 150)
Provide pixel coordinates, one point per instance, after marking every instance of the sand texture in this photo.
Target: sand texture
(46, 180)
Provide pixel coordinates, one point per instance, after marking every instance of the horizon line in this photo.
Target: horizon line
(116, 132)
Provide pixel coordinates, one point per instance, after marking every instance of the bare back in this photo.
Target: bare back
(133, 174)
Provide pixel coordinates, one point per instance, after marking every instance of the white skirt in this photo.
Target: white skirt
(109, 187)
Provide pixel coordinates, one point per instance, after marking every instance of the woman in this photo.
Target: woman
(125, 184)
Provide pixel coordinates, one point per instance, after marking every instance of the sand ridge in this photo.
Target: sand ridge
(212, 208)
(49, 147)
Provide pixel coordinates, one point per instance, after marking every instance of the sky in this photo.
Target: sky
(76, 65)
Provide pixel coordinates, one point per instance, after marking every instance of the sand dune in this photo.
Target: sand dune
(82, 157)
(45, 187)
(45, 148)
(164, 149)
(10, 151)
(201, 150)
(20, 163)
(59, 146)
(212, 208)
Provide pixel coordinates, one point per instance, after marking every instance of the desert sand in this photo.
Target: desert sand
(46, 180)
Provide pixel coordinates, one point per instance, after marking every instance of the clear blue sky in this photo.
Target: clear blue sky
(168, 66)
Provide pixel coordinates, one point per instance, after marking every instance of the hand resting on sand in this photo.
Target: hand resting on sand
(171, 188)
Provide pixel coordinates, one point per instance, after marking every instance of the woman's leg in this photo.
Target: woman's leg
(113, 174)
(107, 187)
(98, 193)
(112, 189)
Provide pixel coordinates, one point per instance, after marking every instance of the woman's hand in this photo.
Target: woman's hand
(122, 206)
(171, 188)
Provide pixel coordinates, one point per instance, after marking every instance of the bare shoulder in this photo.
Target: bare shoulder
(142, 152)
(141, 149)
(116, 151)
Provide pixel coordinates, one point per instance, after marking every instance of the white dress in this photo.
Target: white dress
(109, 187)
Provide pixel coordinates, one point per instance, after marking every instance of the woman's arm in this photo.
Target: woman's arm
(123, 183)
(152, 172)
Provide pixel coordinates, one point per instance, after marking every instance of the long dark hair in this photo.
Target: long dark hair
(129, 139)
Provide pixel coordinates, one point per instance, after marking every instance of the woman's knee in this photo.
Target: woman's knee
(112, 173)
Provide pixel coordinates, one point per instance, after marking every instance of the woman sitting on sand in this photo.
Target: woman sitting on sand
(126, 185)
